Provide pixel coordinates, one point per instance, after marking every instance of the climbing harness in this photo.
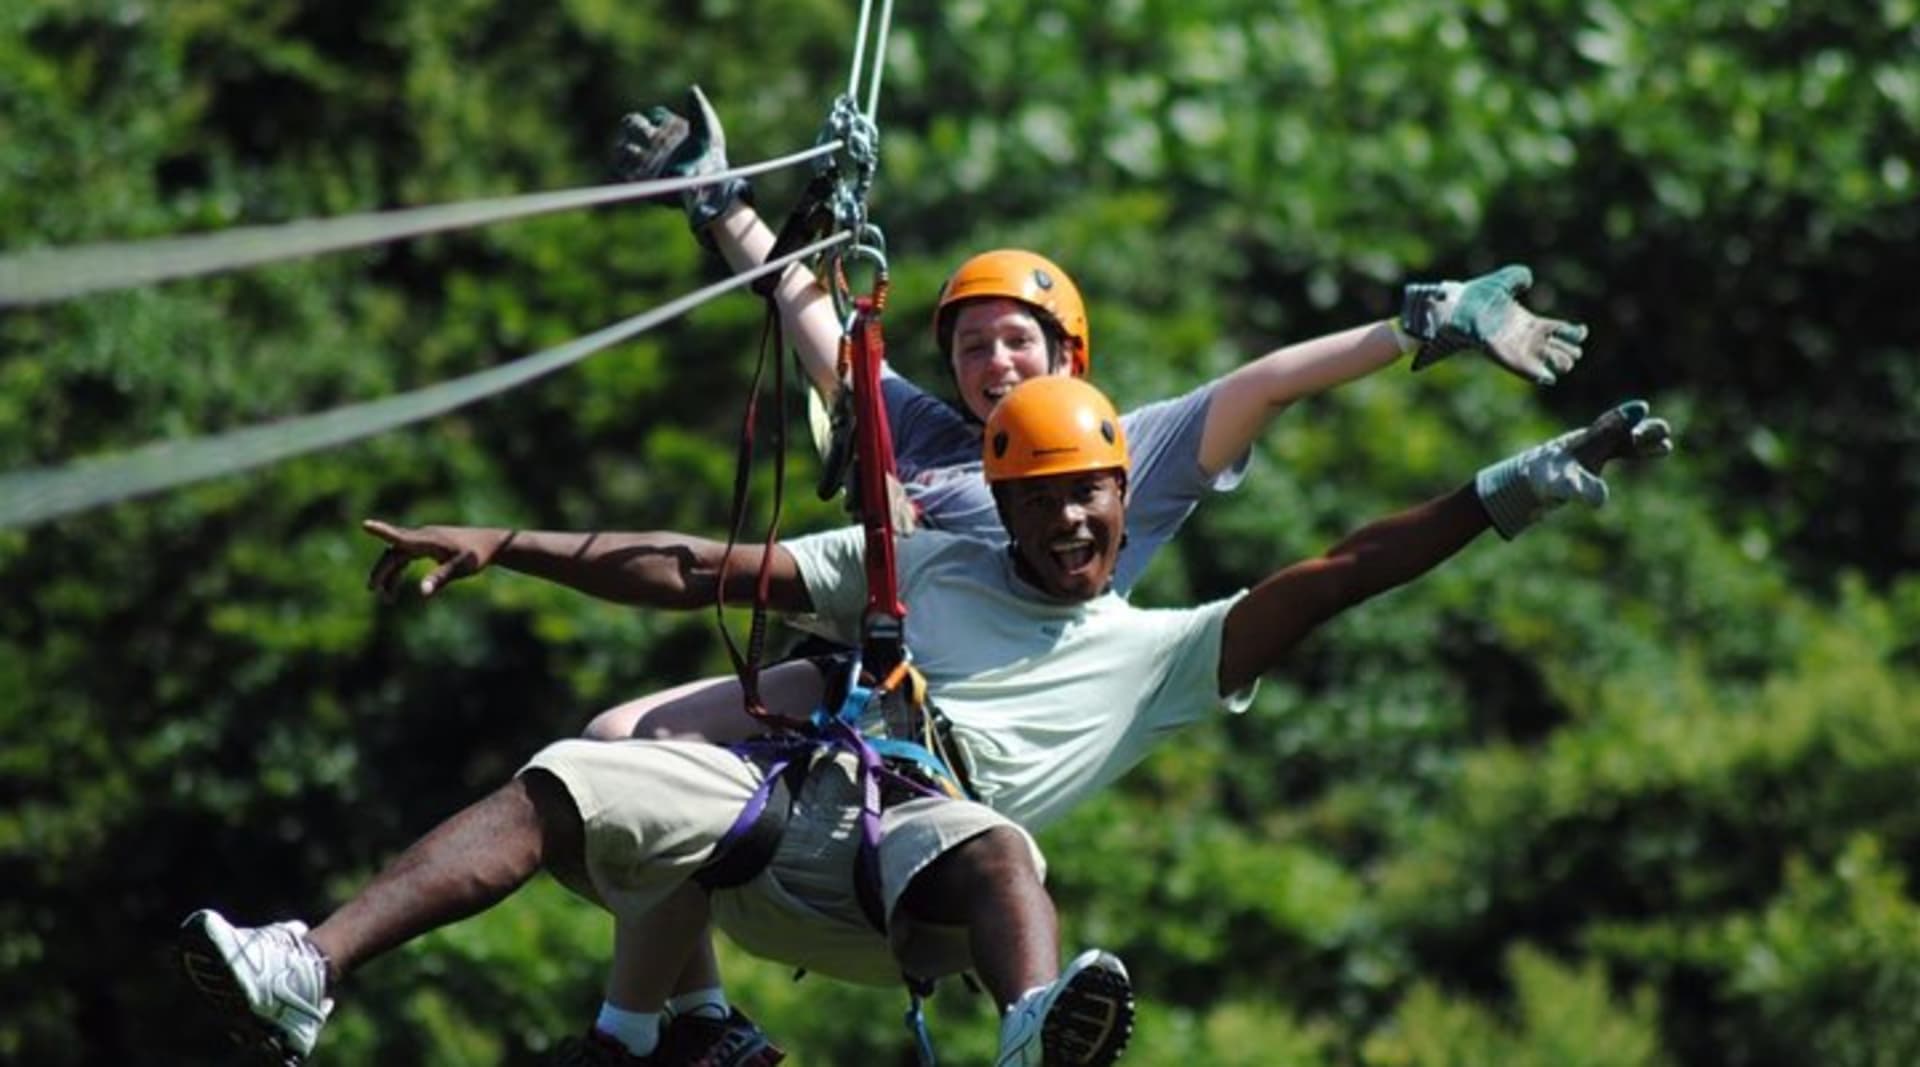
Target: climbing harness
(876, 699)
(876, 708)
(876, 704)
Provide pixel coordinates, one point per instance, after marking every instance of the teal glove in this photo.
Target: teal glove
(657, 143)
(1518, 490)
(1485, 314)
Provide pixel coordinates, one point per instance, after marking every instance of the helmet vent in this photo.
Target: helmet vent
(1000, 445)
(1042, 279)
(1106, 430)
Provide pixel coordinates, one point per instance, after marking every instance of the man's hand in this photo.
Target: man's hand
(1626, 432)
(460, 551)
(658, 143)
(1485, 314)
(1518, 491)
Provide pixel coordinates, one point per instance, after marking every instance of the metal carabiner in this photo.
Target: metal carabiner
(868, 244)
(835, 280)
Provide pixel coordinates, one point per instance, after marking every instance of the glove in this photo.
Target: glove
(657, 143)
(1518, 490)
(1484, 314)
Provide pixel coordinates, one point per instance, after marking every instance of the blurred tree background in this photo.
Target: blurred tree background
(1636, 789)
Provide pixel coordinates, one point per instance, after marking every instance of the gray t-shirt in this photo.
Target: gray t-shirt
(937, 452)
(1050, 701)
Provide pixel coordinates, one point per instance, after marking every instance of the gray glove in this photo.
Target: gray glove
(1485, 314)
(1518, 490)
(657, 143)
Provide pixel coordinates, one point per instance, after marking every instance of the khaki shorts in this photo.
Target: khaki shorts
(655, 810)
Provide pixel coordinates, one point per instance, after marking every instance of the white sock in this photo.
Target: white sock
(702, 1003)
(638, 1031)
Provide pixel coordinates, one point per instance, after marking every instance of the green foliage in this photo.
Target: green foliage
(1564, 1017)
(1634, 789)
(1819, 975)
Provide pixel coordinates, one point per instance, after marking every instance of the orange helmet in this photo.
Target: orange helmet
(1053, 425)
(1030, 278)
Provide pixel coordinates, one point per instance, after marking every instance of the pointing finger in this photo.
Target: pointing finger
(384, 531)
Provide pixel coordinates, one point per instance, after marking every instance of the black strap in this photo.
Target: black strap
(866, 886)
(749, 845)
(810, 217)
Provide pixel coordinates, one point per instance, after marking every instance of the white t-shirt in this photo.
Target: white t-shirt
(1049, 701)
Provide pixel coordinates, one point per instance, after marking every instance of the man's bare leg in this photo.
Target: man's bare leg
(273, 983)
(462, 867)
(990, 886)
(1082, 1016)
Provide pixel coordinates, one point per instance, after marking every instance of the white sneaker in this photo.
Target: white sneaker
(269, 981)
(1082, 1020)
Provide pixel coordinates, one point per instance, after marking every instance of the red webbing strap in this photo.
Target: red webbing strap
(882, 648)
(746, 665)
(810, 218)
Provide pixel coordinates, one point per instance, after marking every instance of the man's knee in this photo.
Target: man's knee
(990, 861)
(563, 836)
(1001, 850)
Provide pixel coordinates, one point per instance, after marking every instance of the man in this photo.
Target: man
(1054, 685)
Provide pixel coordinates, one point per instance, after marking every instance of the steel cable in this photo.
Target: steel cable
(33, 496)
(43, 275)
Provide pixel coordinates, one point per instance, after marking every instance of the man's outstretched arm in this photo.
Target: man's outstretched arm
(657, 569)
(1509, 496)
(1279, 612)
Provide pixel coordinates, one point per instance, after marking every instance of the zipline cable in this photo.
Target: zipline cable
(33, 496)
(859, 51)
(41, 276)
(879, 62)
(858, 66)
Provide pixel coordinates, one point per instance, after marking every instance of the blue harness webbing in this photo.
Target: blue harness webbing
(887, 768)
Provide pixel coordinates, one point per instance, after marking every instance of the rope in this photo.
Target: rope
(746, 665)
(46, 275)
(33, 496)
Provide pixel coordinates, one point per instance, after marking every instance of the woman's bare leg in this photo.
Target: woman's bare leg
(710, 709)
(648, 951)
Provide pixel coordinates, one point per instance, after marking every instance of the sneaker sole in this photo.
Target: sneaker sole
(767, 1055)
(206, 970)
(1091, 1021)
